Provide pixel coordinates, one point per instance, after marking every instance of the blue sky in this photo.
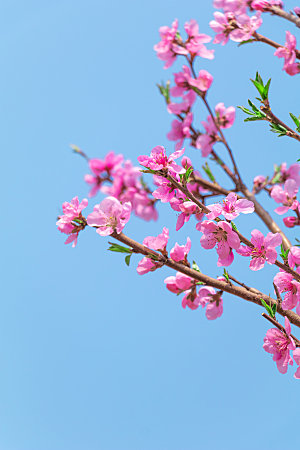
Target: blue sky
(93, 356)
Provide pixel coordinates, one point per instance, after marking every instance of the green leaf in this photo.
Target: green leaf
(195, 267)
(267, 307)
(266, 89)
(254, 108)
(252, 119)
(276, 179)
(234, 226)
(246, 42)
(258, 78)
(274, 308)
(260, 87)
(296, 121)
(279, 129)
(127, 259)
(119, 248)
(208, 172)
(188, 173)
(245, 110)
(225, 273)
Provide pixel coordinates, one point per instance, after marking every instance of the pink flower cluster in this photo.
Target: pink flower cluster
(109, 216)
(288, 53)
(263, 249)
(224, 119)
(234, 23)
(120, 179)
(72, 221)
(280, 343)
(286, 284)
(221, 235)
(231, 207)
(205, 297)
(171, 43)
(158, 243)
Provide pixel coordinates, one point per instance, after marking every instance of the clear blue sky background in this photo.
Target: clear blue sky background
(93, 356)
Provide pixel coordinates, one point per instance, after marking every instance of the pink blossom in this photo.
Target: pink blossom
(147, 265)
(158, 160)
(231, 208)
(182, 82)
(286, 196)
(290, 221)
(189, 300)
(180, 252)
(158, 242)
(109, 216)
(165, 191)
(263, 249)
(286, 283)
(71, 222)
(246, 26)
(195, 43)
(179, 283)
(187, 208)
(265, 5)
(288, 52)
(296, 355)
(291, 173)
(258, 183)
(225, 116)
(167, 49)
(180, 130)
(297, 11)
(155, 243)
(206, 141)
(294, 256)
(222, 26)
(208, 297)
(222, 235)
(280, 344)
(203, 81)
(234, 6)
(109, 163)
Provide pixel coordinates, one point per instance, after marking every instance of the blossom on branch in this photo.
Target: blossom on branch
(222, 235)
(72, 221)
(263, 249)
(109, 216)
(158, 160)
(280, 344)
(231, 208)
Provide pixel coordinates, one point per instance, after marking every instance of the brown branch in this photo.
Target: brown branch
(285, 15)
(280, 327)
(198, 276)
(260, 38)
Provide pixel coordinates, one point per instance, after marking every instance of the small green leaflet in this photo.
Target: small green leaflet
(234, 226)
(296, 121)
(119, 248)
(262, 89)
(270, 309)
(279, 129)
(127, 259)
(208, 172)
(225, 273)
(284, 253)
(195, 267)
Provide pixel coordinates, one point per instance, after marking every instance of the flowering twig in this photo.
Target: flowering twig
(238, 291)
(280, 327)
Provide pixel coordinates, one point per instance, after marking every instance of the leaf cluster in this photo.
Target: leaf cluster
(270, 309)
